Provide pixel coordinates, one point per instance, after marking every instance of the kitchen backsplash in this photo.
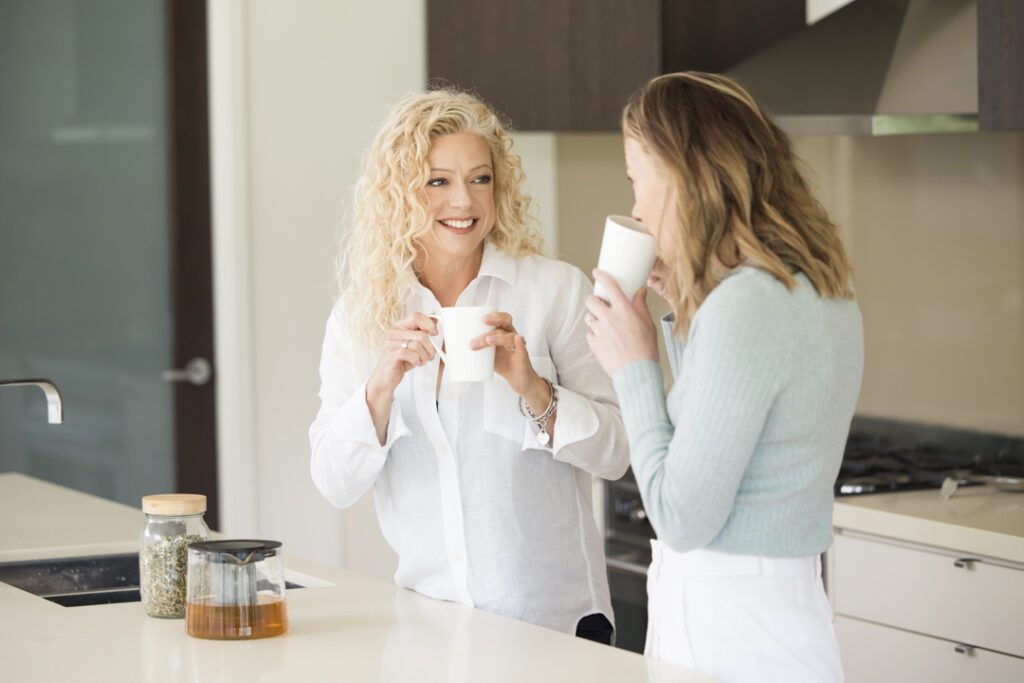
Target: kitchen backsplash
(935, 227)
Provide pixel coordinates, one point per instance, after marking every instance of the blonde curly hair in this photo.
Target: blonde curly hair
(389, 210)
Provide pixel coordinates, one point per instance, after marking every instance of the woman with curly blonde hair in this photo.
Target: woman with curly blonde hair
(482, 488)
(736, 466)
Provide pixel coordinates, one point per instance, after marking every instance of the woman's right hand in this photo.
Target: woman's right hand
(406, 346)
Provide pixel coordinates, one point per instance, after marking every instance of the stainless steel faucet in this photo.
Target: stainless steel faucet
(54, 402)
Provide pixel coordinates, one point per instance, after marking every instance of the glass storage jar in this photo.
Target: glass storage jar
(173, 522)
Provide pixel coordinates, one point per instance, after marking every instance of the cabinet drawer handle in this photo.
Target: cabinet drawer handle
(965, 650)
(965, 562)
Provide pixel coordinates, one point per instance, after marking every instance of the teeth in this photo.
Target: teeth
(459, 224)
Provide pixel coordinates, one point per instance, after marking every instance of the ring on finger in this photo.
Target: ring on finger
(588, 318)
(405, 344)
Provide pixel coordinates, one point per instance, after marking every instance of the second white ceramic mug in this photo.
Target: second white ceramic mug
(458, 325)
(628, 252)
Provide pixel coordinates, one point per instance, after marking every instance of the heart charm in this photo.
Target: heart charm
(543, 438)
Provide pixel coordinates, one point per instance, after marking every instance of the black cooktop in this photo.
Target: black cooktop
(887, 455)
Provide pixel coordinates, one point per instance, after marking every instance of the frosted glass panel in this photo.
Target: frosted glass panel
(84, 288)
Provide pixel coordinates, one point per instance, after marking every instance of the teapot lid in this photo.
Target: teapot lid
(241, 551)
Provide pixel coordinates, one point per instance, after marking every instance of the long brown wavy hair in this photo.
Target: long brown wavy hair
(740, 195)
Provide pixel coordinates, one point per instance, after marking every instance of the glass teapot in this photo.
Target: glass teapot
(235, 590)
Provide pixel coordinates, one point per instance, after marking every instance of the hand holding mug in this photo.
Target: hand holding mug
(511, 359)
(406, 346)
(620, 331)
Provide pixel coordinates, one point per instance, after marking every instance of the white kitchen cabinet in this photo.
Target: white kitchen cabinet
(881, 654)
(906, 611)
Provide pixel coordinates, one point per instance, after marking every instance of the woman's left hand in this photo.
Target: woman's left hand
(620, 331)
(511, 360)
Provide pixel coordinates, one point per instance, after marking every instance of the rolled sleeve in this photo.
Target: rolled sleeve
(576, 421)
(353, 422)
(346, 456)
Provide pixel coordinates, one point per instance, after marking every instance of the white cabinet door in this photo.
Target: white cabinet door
(879, 654)
(928, 592)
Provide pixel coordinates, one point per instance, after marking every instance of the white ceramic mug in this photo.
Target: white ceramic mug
(457, 326)
(628, 252)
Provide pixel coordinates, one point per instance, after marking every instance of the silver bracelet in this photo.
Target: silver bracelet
(541, 420)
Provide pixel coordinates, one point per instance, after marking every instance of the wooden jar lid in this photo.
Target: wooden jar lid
(174, 504)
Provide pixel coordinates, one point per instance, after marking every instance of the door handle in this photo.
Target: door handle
(197, 371)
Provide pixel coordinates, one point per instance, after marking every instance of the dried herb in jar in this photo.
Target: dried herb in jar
(163, 571)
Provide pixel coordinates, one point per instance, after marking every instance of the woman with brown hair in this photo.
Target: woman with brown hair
(736, 465)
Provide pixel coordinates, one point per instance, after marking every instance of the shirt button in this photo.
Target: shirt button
(458, 558)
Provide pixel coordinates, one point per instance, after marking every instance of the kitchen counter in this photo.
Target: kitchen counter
(977, 520)
(926, 589)
(342, 626)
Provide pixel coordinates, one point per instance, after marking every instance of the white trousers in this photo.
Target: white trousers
(741, 618)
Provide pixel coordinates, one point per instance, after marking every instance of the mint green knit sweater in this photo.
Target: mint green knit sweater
(742, 455)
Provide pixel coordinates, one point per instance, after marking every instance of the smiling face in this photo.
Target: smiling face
(654, 202)
(460, 195)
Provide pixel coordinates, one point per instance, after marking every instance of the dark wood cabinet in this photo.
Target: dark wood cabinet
(1001, 64)
(570, 65)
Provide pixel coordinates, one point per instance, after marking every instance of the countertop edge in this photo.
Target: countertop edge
(922, 531)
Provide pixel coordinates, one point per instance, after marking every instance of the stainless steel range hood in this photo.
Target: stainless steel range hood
(874, 67)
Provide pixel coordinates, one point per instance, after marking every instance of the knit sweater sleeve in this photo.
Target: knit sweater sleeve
(689, 460)
(674, 346)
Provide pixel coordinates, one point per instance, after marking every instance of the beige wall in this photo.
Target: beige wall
(538, 153)
(935, 226)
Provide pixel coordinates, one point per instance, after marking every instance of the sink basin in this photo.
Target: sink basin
(78, 581)
(74, 581)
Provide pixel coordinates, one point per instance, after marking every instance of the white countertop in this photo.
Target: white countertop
(977, 520)
(42, 520)
(343, 626)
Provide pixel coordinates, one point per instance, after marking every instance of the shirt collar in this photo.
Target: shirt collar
(497, 264)
(493, 263)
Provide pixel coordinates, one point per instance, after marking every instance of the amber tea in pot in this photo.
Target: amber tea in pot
(235, 590)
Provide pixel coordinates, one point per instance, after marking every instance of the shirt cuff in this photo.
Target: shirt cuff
(641, 391)
(353, 422)
(576, 421)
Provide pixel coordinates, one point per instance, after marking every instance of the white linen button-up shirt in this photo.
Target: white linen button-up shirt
(477, 510)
